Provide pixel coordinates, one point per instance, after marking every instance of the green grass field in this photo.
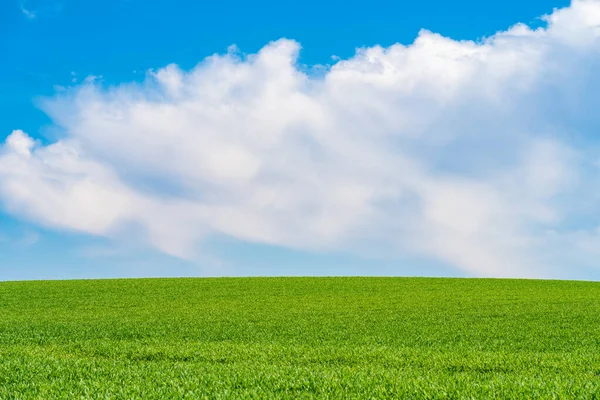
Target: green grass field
(300, 338)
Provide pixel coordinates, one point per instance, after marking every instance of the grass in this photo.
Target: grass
(299, 338)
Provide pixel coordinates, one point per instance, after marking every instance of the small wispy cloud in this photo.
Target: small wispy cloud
(32, 9)
(29, 14)
(29, 239)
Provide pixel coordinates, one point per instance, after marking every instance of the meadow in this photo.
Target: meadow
(299, 338)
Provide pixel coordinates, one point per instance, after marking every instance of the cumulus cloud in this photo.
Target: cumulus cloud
(479, 155)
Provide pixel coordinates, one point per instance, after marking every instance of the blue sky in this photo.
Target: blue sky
(465, 152)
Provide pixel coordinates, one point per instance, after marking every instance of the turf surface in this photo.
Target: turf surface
(300, 338)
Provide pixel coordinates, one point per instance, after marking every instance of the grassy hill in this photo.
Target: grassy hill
(300, 338)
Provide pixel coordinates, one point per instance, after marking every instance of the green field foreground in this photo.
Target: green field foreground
(299, 338)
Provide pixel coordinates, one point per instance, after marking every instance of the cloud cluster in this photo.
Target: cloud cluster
(480, 155)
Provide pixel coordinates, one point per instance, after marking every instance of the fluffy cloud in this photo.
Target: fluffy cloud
(479, 155)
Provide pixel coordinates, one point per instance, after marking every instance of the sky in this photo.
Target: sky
(433, 138)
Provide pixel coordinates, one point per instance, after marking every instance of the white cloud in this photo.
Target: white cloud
(467, 153)
(30, 11)
(28, 14)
